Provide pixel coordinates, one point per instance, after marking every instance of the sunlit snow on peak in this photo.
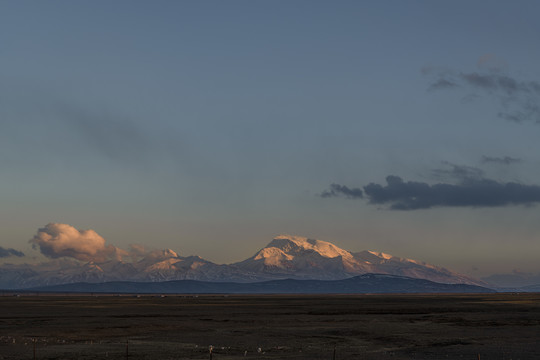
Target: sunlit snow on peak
(381, 255)
(296, 244)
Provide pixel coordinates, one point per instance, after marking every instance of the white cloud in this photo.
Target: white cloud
(57, 240)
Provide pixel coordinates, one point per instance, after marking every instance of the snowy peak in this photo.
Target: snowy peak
(295, 245)
(273, 256)
(381, 255)
(166, 264)
(300, 257)
(157, 256)
(164, 254)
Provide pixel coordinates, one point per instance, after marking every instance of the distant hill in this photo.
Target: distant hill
(368, 283)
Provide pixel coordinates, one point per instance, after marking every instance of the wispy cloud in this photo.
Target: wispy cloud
(442, 84)
(339, 190)
(4, 252)
(111, 135)
(498, 82)
(519, 100)
(460, 172)
(506, 160)
(411, 195)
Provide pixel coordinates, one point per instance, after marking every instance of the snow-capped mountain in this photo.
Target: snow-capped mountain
(299, 257)
(284, 257)
(302, 258)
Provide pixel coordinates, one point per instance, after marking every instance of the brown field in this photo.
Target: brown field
(492, 326)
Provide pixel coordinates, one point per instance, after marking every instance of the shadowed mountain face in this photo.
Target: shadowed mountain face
(368, 283)
(286, 257)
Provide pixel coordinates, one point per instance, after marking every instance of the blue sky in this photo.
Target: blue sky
(209, 127)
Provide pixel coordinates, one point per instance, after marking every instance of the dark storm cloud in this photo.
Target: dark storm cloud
(339, 190)
(411, 195)
(400, 195)
(519, 101)
(507, 160)
(10, 252)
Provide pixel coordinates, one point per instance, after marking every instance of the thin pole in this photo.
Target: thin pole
(127, 349)
(334, 356)
(34, 341)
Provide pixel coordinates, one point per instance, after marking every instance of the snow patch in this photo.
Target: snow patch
(289, 243)
(381, 255)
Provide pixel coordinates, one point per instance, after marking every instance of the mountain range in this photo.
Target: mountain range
(285, 257)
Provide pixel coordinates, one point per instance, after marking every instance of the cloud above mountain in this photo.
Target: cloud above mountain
(398, 194)
(56, 240)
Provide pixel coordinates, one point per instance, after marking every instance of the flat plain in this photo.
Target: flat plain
(485, 326)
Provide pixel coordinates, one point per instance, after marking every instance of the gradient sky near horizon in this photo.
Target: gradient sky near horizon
(209, 127)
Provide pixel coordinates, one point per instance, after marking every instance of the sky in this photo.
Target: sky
(209, 127)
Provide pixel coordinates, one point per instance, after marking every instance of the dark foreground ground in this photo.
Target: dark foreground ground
(492, 326)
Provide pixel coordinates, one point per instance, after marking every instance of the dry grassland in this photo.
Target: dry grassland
(492, 326)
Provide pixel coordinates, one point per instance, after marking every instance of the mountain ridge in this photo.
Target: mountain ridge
(286, 256)
(362, 284)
